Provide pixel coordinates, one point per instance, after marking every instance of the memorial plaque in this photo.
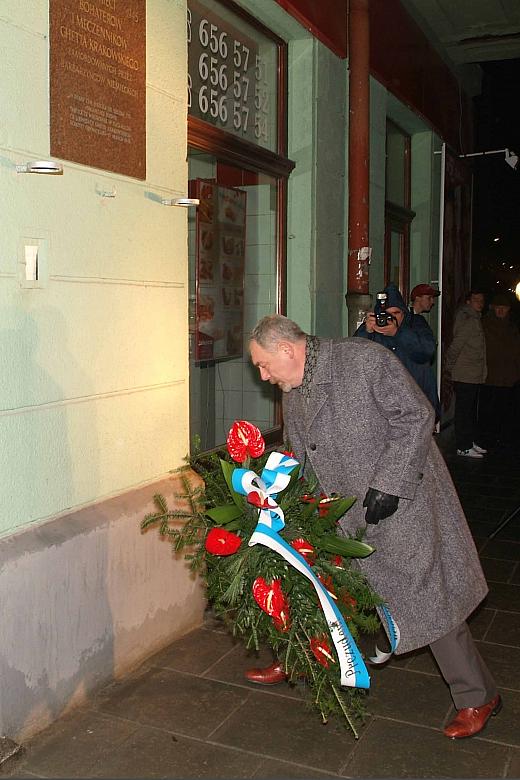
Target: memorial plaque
(97, 83)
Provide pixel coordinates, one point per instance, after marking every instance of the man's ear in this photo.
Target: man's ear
(287, 348)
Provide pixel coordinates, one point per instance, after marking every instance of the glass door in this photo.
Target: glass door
(233, 278)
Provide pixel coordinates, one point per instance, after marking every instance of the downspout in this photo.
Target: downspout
(357, 297)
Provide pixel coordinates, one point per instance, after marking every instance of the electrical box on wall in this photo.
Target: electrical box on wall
(33, 267)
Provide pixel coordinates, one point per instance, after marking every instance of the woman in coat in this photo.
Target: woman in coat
(354, 416)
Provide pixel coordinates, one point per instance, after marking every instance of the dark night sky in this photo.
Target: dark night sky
(496, 184)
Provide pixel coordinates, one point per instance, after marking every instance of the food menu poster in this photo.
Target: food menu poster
(221, 223)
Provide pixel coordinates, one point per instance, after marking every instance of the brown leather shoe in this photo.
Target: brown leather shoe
(471, 720)
(270, 675)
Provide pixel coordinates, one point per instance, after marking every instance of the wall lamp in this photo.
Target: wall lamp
(511, 157)
(40, 166)
(186, 202)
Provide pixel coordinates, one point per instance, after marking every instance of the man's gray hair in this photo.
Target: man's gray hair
(273, 328)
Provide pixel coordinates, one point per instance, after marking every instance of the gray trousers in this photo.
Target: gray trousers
(461, 665)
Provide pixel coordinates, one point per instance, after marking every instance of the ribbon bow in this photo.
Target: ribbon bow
(262, 491)
(274, 478)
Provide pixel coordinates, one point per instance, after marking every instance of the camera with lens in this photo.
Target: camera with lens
(382, 316)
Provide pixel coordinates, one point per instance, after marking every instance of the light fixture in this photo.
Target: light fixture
(511, 157)
(186, 202)
(517, 291)
(40, 166)
(106, 193)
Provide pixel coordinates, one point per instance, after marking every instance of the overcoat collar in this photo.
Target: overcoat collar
(321, 381)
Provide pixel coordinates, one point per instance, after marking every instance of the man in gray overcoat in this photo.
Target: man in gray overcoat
(353, 415)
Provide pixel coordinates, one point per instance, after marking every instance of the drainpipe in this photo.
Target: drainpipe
(357, 298)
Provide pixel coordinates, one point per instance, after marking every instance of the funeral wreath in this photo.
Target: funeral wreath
(265, 541)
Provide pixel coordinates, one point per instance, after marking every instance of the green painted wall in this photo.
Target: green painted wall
(94, 400)
(317, 188)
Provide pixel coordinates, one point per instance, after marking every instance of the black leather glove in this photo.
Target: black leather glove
(379, 505)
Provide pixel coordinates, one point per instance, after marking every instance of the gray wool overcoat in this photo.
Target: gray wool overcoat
(367, 424)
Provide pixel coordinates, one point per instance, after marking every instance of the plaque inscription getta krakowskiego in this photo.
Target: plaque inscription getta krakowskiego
(97, 83)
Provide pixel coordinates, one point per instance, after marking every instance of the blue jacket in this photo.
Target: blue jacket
(414, 345)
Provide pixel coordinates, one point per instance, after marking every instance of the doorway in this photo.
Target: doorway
(233, 282)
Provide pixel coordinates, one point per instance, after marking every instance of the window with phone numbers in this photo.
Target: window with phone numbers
(232, 74)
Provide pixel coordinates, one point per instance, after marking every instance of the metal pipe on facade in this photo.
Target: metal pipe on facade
(357, 297)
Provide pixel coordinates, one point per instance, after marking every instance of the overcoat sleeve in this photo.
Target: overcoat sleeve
(400, 465)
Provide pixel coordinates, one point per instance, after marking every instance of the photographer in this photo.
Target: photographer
(412, 344)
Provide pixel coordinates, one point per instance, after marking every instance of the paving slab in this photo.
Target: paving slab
(409, 696)
(285, 729)
(181, 703)
(151, 753)
(504, 629)
(76, 745)
(390, 749)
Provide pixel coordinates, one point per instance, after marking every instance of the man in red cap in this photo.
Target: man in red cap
(422, 298)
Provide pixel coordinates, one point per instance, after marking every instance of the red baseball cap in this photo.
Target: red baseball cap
(423, 289)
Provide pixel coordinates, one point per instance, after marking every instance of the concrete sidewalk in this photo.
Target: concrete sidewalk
(189, 713)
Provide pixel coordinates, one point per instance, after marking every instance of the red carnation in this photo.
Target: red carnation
(222, 542)
(271, 599)
(244, 439)
(321, 649)
(305, 549)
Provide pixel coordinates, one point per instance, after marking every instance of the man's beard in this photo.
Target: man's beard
(285, 387)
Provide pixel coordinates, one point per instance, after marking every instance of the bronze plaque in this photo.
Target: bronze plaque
(97, 83)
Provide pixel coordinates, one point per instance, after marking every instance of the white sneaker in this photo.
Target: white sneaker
(480, 450)
(471, 453)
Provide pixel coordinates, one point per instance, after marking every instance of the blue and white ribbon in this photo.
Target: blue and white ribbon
(275, 477)
(394, 635)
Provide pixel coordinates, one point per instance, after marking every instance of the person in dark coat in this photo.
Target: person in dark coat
(411, 340)
(355, 417)
(496, 410)
(467, 368)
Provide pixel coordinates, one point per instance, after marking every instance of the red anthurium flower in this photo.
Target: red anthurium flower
(255, 498)
(305, 549)
(323, 501)
(271, 599)
(321, 649)
(337, 560)
(348, 599)
(283, 623)
(244, 439)
(323, 506)
(327, 581)
(222, 542)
